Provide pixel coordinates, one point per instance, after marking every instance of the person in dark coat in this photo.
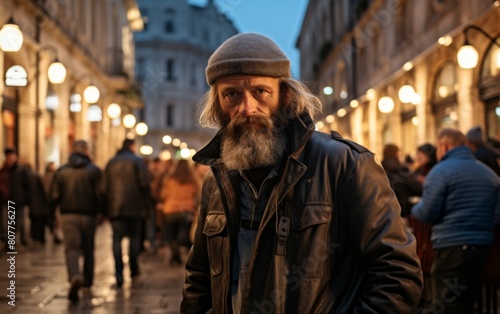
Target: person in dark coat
(54, 219)
(483, 151)
(76, 189)
(39, 212)
(127, 196)
(15, 190)
(403, 181)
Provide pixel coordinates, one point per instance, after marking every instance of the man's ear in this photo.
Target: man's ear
(447, 146)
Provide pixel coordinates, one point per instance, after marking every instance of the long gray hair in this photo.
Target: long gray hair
(296, 98)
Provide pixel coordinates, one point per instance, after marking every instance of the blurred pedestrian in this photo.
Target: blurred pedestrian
(461, 199)
(483, 151)
(180, 198)
(402, 180)
(76, 189)
(291, 220)
(155, 168)
(201, 173)
(39, 209)
(127, 192)
(426, 159)
(15, 191)
(54, 219)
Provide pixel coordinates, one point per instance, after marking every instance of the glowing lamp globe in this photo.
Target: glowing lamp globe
(11, 37)
(91, 94)
(56, 73)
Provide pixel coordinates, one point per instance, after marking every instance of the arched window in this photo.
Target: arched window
(489, 90)
(444, 97)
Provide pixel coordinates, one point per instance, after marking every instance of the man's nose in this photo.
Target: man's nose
(248, 105)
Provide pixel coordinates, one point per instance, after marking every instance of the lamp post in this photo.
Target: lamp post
(56, 75)
(467, 55)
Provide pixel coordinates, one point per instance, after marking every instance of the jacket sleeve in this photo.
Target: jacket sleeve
(197, 293)
(431, 206)
(143, 178)
(55, 189)
(383, 250)
(98, 190)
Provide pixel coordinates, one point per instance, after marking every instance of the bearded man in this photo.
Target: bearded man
(291, 220)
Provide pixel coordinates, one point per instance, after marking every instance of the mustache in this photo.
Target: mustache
(239, 123)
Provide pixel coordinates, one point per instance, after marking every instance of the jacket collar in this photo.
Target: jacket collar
(298, 132)
(459, 152)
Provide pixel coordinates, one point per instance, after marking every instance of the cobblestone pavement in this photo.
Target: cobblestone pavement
(41, 284)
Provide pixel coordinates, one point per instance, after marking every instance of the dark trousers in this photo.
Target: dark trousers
(79, 233)
(37, 229)
(131, 228)
(456, 275)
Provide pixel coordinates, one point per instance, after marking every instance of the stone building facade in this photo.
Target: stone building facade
(93, 39)
(356, 53)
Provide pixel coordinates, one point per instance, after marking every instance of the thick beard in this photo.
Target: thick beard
(252, 142)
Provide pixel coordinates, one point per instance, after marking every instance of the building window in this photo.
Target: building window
(446, 82)
(140, 68)
(169, 115)
(169, 21)
(170, 68)
(169, 27)
(444, 97)
(489, 90)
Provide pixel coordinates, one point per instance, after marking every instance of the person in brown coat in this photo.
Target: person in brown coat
(179, 196)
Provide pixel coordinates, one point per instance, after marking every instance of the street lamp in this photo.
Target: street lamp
(467, 55)
(385, 104)
(406, 93)
(11, 37)
(129, 121)
(141, 128)
(56, 72)
(114, 111)
(91, 94)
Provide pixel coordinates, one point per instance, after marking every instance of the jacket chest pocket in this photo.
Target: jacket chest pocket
(309, 247)
(215, 229)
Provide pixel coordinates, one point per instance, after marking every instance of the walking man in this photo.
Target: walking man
(291, 220)
(76, 189)
(126, 189)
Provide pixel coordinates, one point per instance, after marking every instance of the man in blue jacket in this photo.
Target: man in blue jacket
(461, 199)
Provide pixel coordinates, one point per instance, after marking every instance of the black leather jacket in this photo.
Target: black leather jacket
(76, 187)
(126, 186)
(347, 250)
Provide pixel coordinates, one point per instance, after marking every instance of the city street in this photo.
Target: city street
(41, 282)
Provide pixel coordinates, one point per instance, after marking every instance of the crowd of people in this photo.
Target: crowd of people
(452, 212)
(278, 217)
(152, 203)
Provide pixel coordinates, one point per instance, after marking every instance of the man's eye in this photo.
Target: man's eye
(231, 94)
(260, 91)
